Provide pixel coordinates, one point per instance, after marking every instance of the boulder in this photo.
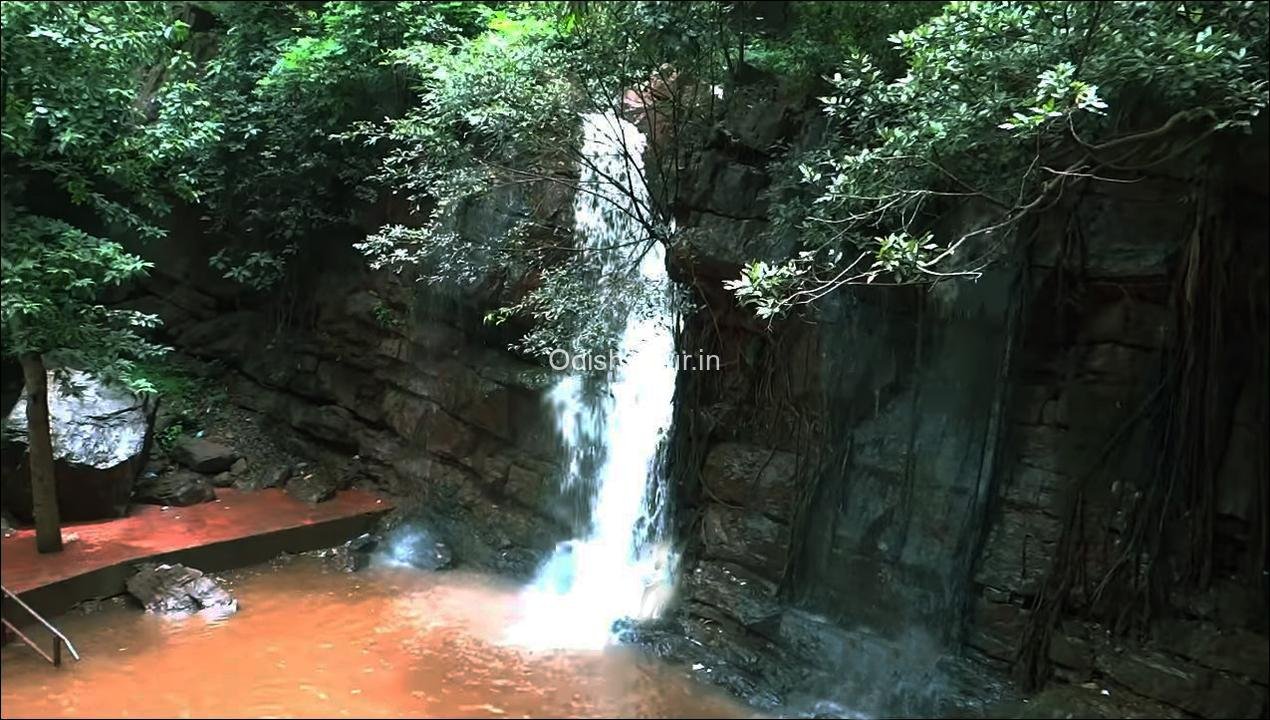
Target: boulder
(239, 467)
(222, 480)
(205, 456)
(101, 441)
(274, 478)
(178, 589)
(313, 487)
(715, 246)
(180, 488)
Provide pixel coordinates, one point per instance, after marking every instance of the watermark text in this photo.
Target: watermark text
(562, 360)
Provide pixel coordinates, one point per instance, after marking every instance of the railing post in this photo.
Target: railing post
(58, 638)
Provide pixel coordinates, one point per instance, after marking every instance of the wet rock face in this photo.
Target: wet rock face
(438, 413)
(177, 488)
(101, 441)
(749, 538)
(754, 476)
(1193, 688)
(858, 673)
(745, 666)
(740, 594)
(1205, 653)
(940, 437)
(1087, 701)
(517, 562)
(176, 589)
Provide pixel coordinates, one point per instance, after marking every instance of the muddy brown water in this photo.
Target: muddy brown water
(312, 642)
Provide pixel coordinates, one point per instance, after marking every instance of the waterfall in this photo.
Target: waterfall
(613, 428)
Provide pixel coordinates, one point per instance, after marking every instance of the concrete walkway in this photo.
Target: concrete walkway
(237, 529)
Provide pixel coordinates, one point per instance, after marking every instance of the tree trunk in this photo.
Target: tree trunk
(48, 526)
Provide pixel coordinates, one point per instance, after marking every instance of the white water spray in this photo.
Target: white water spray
(622, 566)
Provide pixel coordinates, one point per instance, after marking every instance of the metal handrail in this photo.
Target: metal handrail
(58, 638)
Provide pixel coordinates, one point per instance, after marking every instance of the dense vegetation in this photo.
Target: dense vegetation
(278, 121)
(1003, 108)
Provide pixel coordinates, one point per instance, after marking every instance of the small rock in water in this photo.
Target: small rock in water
(363, 543)
(178, 589)
(347, 560)
(417, 547)
(353, 555)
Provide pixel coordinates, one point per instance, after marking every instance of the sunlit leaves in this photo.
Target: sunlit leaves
(1058, 94)
(763, 286)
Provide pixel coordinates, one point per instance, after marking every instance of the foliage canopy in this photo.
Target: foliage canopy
(280, 122)
(103, 117)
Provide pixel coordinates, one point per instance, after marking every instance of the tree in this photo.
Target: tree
(499, 112)
(498, 109)
(287, 79)
(1006, 107)
(98, 114)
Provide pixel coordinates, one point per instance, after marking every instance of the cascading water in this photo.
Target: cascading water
(613, 429)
